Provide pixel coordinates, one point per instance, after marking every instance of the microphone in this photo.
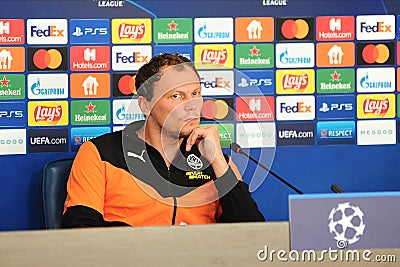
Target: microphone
(337, 189)
(236, 148)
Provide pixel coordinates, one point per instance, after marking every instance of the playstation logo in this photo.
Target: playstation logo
(243, 83)
(324, 107)
(78, 32)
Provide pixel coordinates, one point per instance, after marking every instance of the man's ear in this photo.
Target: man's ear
(144, 105)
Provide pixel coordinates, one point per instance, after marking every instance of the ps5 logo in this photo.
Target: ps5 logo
(255, 82)
(89, 31)
(336, 106)
(11, 114)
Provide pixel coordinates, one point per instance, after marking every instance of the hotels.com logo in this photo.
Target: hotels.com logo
(131, 31)
(48, 114)
(295, 82)
(376, 106)
(214, 56)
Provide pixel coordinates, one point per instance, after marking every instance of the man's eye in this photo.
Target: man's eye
(196, 93)
(176, 96)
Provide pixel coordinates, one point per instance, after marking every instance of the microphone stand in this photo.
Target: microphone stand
(271, 172)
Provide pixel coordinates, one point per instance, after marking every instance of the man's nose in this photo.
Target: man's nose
(193, 104)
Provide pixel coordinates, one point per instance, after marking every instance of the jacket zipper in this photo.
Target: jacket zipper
(174, 198)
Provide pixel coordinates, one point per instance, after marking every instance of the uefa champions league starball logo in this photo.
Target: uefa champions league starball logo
(346, 223)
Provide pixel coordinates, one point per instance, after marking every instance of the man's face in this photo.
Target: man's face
(177, 101)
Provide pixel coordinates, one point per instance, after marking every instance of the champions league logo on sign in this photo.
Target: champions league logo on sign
(275, 2)
(346, 223)
(109, 3)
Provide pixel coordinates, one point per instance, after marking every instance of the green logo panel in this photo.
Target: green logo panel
(12, 86)
(90, 112)
(173, 30)
(226, 133)
(335, 81)
(254, 56)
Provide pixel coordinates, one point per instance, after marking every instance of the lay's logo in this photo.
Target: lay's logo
(295, 81)
(214, 56)
(48, 113)
(376, 106)
(128, 31)
(131, 31)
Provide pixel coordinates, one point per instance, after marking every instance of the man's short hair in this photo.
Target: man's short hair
(152, 68)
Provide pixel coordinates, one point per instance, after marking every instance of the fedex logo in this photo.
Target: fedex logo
(295, 107)
(217, 82)
(130, 57)
(47, 31)
(299, 107)
(50, 31)
(135, 57)
(376, 27)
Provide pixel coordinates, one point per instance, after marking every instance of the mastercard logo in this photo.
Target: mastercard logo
(217, 109)
(295, 29)
(375, 54)
(40, 59)
(124, 84)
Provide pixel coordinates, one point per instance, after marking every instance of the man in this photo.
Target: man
(165, 170)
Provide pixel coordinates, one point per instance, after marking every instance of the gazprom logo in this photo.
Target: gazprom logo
(47, 86)
(375, 80)
(213, 30)
(126, 111)
(290, 55)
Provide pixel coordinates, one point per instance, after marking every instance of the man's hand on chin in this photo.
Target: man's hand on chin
(207, 141)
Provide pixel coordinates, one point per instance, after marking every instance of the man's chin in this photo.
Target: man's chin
(188, 129)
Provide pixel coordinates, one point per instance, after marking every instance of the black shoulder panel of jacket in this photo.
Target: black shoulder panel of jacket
(110, 149)
(82, 216)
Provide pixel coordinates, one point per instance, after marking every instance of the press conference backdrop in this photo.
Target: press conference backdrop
(327, 72)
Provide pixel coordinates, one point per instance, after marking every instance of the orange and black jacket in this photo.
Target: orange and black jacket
(118, 179)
